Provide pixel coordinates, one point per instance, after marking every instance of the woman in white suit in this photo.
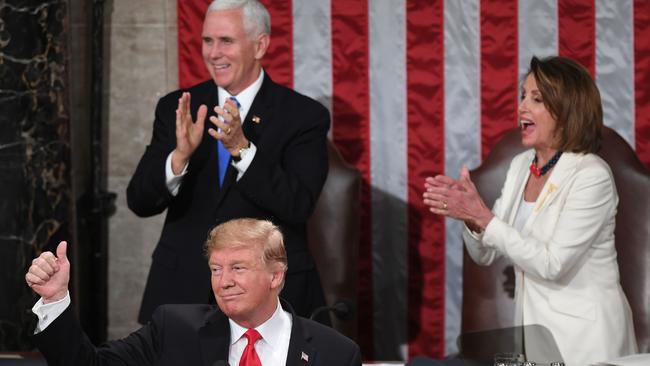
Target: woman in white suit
(554, 219)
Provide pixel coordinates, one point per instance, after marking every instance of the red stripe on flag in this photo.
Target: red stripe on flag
(191, 69)
(278, 61)
(577, 31)
(426, 157)
(642, 79)
(351, 132)
(499, 79)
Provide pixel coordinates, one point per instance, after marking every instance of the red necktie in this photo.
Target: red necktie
(249, 357)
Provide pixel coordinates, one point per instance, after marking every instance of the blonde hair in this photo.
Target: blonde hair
(250, 233)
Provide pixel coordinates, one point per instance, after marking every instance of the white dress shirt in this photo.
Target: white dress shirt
(245, 99)
(46, 313)
(272, 348)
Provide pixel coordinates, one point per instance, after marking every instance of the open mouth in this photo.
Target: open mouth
(525, 124)
(220, 67)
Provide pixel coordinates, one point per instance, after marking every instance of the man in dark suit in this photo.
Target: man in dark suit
(249, 327)
(264, 156)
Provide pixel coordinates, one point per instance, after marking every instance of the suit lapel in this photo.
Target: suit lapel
(516, 190)
(215, 338)
(301, 352)
(560, 175)
(261, 112)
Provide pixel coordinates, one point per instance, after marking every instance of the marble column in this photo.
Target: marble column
(142, 66)
(35, 191)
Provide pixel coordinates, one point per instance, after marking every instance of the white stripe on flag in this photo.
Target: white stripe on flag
(312, 50)
(462, 138)
(538, 35)
(388, 136)
(615, 63)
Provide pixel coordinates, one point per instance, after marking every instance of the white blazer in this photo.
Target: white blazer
(567, 277)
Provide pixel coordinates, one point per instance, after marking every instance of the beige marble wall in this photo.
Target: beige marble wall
(142, 57)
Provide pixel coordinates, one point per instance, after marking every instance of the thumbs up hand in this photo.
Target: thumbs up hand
(49, 275)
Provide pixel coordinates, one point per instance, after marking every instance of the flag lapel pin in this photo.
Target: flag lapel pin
(304, 357)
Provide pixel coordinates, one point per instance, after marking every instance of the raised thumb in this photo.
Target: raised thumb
(61, 251)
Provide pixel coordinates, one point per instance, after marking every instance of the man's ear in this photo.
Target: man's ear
(277, 278)
(261, 45)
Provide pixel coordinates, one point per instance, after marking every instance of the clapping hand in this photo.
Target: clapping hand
(188, 133)
(458, 199)
(229, 130)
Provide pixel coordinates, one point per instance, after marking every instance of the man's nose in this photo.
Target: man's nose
(226, 279)
(215, 50)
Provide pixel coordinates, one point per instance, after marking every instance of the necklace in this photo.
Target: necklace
(551, 163)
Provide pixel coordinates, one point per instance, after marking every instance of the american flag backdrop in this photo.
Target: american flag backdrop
(421, 87)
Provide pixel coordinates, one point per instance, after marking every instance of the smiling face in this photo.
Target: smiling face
(245, 288)
(538, 127)
(232, 57)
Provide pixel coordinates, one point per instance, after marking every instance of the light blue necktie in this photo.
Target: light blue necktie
(223, 153)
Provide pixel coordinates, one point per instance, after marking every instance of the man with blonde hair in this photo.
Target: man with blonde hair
(250, 327)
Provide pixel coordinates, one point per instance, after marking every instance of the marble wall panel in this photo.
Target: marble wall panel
(35, 190)
(143, 68)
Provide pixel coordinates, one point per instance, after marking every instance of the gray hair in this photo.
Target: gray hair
(254, 15)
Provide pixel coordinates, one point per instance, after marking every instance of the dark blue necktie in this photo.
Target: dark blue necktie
(223, 153)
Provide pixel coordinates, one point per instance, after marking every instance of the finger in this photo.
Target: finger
(229, 113)
(221, 125)
(466, 184)
(40, 273)
(231, 108)
(179, 121)
(443, 179)
(429, 181)
(46, 262)
(33, 279)
(443, 192)
(436, 197)
(186, 115)
(217, 135)
(51, 264)
(220, 111)
(437, 211)
(182, 104)
(200, 116)
(62, 251)
(464, 173)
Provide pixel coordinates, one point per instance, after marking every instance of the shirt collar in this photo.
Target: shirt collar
(245, 97)
(271, 330)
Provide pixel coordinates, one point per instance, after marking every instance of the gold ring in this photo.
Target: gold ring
(228, 131)
(444, 205)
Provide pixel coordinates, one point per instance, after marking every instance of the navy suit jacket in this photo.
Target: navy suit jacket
(187, 335)
(282, 184)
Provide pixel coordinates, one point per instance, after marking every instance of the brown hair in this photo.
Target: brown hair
(572, 98)
(249, 233)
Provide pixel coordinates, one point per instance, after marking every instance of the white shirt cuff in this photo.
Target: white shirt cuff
(245, 161)
(47, 313)
(173, 181)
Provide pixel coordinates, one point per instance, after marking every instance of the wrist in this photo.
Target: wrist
(483, 221)
(178, 162)
(56, 297)
(238, 154)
